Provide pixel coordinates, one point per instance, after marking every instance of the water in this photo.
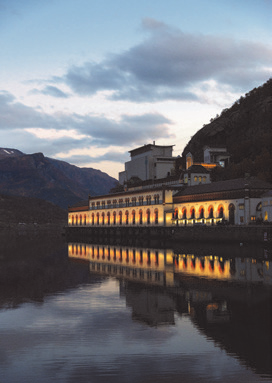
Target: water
(107, 313)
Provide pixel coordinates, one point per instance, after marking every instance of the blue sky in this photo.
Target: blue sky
(86, 81)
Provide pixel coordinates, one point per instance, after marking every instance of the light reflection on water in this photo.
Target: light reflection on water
(134, 327)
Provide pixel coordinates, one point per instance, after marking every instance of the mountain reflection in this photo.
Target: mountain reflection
(228, 298)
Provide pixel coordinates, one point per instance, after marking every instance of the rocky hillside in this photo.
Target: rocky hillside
(19, 211)
(34, 175)
(246, 130)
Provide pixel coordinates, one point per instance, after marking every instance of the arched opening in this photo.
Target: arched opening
(210, 210)
(97, 218)
(80, 219)
(73, 220)
(184, 213)
(156, 216)
(114, 217)
(108, 218)
(220, 211)
(192, 211)
(133, 217)
(127, 215)
(201, 212)
(103, 218)
(148, 216)
(76, 219)
(120, 218)
(231, 214)
(140, 217)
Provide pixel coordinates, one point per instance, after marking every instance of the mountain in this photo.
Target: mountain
(245, 130)
(16, 210)
(34, 175)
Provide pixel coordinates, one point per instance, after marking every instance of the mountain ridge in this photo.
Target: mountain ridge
(34, 175)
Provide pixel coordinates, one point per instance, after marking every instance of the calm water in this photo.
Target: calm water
(82, 312)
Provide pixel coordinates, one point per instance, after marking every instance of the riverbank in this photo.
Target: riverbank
(212, 234)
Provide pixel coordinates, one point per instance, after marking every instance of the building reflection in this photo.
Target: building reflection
(164, 266)
(227, 298)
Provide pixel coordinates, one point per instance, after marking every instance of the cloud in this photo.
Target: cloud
(62, 132)
(50, 90)
(169, 62)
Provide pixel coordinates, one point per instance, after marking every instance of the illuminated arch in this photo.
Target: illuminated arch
(156, 216)
(97, 218)
(108, 218)
(140, 217)
(133, 217)
(120, 217)
(103, 218)
(148, 216)
(114, 217)
(184, 213)
(93, 219)
(192, 212)
(220, 211)
(210, 210)
(201, 212)
(127, 216)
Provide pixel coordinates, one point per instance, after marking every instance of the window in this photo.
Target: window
(114, 202)
(127, 202)
(93, 219)
(195, 178)
(184, 213)
(120, 218)
(148, 200)
(103, 218)
(127, 215)
(241, 206)
(242, 219)
(97, 219)
(93, 205)
(114, 217)
(141, 201)
(156, 198)
(199, 179)
(133, 217)
(108, 218)
(98, 205)
(201, 213)
(103, 204)
(192, 213)
(204, 179)
(108, 203)
(134, 201)
(120, 202)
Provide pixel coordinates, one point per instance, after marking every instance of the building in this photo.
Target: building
(148, 162)
(159, 199)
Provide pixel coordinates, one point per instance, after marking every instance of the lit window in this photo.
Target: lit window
(241, 206)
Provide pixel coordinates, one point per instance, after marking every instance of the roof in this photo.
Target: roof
(147, 148)
(228, 185)
(196, 169)
(81, 205)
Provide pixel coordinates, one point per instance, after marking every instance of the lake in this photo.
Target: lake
(89, 312)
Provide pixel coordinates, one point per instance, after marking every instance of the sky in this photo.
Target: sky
(85, 81)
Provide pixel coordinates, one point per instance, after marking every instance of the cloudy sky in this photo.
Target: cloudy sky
(86, 81)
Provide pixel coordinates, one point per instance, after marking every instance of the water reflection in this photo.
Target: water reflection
(113, 313)
(227, 299)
